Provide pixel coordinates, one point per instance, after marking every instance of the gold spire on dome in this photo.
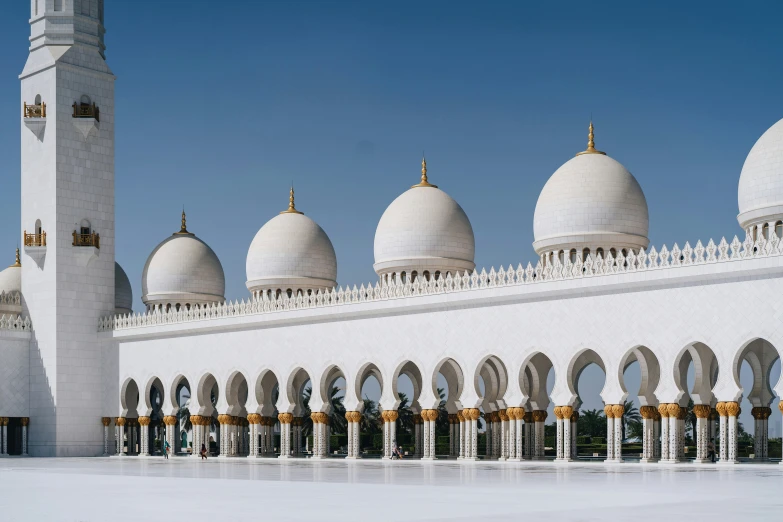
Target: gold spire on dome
(590, 143)
(291, 207)
(18, 262)
(424, 182)
(183, 227)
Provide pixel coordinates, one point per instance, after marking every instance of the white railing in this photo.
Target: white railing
(556, 271)
(10, 298)
(15, 323)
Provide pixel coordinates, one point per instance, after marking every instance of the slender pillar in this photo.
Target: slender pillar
(530, 437)
(354, 418)
(574, 421)
(144, 445)
(223, 420)
(723, 432)
(702, 435)
(461, 435)
(674, 433)
(120, 423)
(609, 412)
(563, 414)
(539, 417)
(761, 433)
(648, 433)
(429, 418)
(106, 421)
(254, 422)
(511, 439)
(285, 434)
(732, 412)
(170, 421)
(470, 434)
(26, 422)
(619, 411)
(390, 432)
(663, 411)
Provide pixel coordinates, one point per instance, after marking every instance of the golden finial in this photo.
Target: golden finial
(183, 227)
(291, 207)
(18, 262)
(590, 143)
(424, 182)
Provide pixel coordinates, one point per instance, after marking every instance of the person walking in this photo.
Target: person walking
(166, 447)
(711, 450)
(203, 452)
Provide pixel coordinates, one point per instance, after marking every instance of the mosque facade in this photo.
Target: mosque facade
(83, 375)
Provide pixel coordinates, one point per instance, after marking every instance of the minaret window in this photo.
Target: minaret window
(85, 235)
(36, 110)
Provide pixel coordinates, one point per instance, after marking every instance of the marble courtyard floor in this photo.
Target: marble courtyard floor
(118, 489)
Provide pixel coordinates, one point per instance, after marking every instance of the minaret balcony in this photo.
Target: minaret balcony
(86, 116)
(35, 247)
(86, 247)
(34, 117)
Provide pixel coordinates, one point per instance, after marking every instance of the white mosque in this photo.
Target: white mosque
(82, 375)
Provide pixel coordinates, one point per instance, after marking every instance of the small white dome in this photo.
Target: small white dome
(424, 229)
(291, 252)
(760, 192)
(123, 293)
(11, 289)
(592, 201)
(182, 270)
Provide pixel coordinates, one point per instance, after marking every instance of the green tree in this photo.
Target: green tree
(630, 414)
(591, 423)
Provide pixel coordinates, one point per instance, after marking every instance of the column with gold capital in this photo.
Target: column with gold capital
(26, 422)
(648, 433)
(609, 412)
(732, 412)
(539, 418)
(619, 413)
(106, 421)
(761, 415)
(120, 423)
(566, 412)
(285, 434)
(702, 412)
(144, 443)
(170, 421)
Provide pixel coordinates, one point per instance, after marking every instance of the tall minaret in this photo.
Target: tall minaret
(67, 112)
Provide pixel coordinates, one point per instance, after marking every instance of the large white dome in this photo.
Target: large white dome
(424, 229)
(11, 286)
(591, 202)
(123, 293)
(182, 270)
(291, 252)
(760, 192)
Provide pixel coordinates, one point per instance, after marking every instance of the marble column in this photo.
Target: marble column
(663, 411)
(254, 422)
(574, 421)
(530, 437)
(4, 447)
(723, 449)
(619, 412)
(609, 412)
(223, 421)
(471, 416)
(26, 422)
(732, 412)
(675, 438)
(418, 436)
(511, 439)
(559, 435)
(144, 442)
(461, 422)
(539, 417)
(170, 422)
(761, 433)
(648, 433)
(106, 421)
(285, 434)
(563, 414)
(120, 423)
(702, 435)
(354, 419)
(429, 418)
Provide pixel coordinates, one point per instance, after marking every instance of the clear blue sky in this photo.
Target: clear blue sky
(220, 105)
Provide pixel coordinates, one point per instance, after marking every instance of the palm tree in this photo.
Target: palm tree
(442, 424)
(630, 414)
(405, 414)
(369, 423)
(337, 417)
(591, 423)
